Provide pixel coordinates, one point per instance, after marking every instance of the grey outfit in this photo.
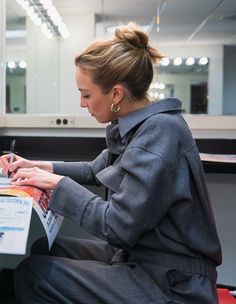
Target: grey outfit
(159, 242)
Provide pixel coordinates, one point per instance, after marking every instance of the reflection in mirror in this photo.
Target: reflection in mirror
(186, 79)
(15, 59)
(16, 87)
(49, 72)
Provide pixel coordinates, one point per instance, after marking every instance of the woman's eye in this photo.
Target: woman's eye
(86, 96)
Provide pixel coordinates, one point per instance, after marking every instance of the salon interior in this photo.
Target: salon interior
(39, 101)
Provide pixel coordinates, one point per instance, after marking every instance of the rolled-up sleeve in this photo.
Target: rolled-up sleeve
(138, 194)
(82, 172)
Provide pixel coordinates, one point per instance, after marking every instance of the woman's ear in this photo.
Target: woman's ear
(118, 93)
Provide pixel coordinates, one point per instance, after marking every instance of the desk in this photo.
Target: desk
(87, 148)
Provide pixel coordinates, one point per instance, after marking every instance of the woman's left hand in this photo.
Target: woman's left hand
(35, 177)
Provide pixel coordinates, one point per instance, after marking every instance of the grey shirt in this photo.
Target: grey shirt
(158, 199)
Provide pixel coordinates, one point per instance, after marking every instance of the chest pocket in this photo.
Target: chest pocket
(111, 177)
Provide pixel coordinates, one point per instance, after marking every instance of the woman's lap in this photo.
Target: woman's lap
(81, 271)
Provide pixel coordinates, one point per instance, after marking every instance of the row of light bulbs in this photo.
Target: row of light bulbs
(13, 64)
(44, 14)
(153, 90)
(189, 61)
(156, 95)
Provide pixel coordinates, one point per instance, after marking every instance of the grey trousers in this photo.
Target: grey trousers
(82, 271)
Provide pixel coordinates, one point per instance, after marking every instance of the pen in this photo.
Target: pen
(12, 150)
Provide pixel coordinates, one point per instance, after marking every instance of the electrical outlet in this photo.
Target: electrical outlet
(62, 122)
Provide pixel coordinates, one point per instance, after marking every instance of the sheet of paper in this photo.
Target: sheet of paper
(51, 222)
(220, 158)
(4, 181)
(15, 217)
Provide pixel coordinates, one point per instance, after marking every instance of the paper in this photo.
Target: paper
(4, 181)
(220, 158)
(15, 216)
(50, 220)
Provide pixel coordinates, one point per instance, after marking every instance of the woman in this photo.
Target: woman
(159, 240)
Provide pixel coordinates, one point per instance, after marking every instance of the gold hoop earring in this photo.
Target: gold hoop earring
(115, 108)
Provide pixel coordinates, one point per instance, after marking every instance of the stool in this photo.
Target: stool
(225, 296)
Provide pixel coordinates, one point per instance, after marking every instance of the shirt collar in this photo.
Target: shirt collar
(126, 123)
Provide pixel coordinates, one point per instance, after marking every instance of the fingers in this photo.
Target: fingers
(22, 182)
(18, 162)
(31, 177)
(24, 173)
(15, 165)
(4, 163)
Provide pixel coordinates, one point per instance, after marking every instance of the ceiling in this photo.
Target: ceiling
(205, 22)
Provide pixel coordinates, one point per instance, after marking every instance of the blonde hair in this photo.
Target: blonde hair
(127, 58)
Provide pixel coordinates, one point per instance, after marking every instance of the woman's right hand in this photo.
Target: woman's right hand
(18, 162)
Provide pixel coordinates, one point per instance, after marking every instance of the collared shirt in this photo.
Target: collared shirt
(158, 199)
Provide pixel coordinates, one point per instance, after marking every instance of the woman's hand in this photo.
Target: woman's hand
(35, 177)
(20, 162)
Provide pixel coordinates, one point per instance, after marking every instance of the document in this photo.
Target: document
(39, 201)
(15, 215)
(220, 158)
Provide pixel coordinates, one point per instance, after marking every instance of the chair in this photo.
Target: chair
(225, 296)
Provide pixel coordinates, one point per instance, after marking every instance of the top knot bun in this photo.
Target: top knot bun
(132, 35)
(127, 58)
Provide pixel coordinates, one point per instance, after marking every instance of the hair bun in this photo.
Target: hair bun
(132, 35)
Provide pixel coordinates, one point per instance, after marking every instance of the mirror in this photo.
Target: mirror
(40, 72)
(15, 65)
(186, 79)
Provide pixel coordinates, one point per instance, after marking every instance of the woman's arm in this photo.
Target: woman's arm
(20, 162)
(83, 172)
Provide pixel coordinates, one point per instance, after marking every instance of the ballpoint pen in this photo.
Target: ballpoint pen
(12, 150)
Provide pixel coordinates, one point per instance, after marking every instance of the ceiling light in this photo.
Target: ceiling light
(177, 61)
(11, 65)
(203, 61)
(161, 86)
(22, 64)
(190, 61)
(165, 61)
(44, 14)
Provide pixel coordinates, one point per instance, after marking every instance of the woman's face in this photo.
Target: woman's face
(92, 97)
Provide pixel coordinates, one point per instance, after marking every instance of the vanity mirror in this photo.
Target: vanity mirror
(39, 71)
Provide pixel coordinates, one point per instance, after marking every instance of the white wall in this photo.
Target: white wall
(222, 188)
(81, 29)
(42, 71)
(51, 72)
(229, 96)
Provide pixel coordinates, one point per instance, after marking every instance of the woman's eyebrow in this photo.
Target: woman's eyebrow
(83, 90)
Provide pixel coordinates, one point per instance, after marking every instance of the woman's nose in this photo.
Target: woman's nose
(83, 103)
